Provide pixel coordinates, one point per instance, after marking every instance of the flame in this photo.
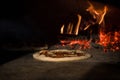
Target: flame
(98, 15)
(87, 27)
(62, 29)
(70, 27)
(103, 14)
(78, 24)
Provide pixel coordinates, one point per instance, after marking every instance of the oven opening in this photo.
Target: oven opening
(78, 34)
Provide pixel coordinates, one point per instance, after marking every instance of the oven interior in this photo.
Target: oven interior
(26, 27)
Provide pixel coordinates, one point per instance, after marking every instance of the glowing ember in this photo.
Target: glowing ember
(84, 44)
(110, 40)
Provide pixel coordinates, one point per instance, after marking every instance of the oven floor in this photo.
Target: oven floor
(99, 66)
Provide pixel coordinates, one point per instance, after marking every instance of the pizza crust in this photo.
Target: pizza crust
(43, 57)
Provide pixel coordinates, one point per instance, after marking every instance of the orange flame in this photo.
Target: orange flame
(62, 29)
(98, 15)
(78, 25)
(70, 27)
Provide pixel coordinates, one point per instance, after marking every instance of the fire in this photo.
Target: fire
(109, 40)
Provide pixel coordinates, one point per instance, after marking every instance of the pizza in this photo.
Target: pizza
(60, 55)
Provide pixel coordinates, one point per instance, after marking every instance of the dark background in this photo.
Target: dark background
(38, 21)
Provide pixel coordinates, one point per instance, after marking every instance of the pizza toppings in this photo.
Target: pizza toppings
(61, 53)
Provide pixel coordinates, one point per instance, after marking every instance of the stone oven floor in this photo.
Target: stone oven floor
(99, 66)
